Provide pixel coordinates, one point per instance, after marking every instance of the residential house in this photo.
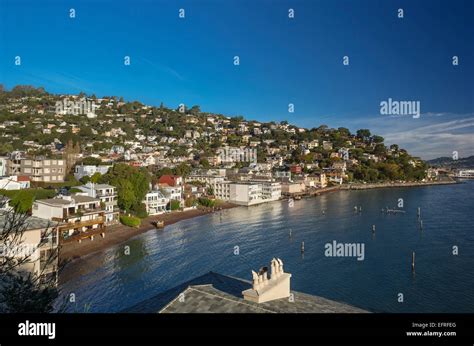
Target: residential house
(78, 216)
(171, 180)
(107, 195)
(89, 170)
(155, 202)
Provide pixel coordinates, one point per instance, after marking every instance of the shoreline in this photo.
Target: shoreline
(392, 185)
(118, 234)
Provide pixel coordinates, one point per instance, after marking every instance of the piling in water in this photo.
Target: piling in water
(302, 246)
(413, 261)
(418, 212)
(373, 228)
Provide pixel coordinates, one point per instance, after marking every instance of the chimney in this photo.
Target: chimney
(265, 289)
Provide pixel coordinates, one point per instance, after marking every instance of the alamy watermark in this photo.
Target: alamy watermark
(80, 107)
(391, 107)
(336, 249)
(235, 154)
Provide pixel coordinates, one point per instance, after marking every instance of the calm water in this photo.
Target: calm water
(442, 283)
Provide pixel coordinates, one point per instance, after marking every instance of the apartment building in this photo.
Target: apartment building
(206, 179)
(39, 169)
(39, 241)
(221, 190)
(78, 216)
(81, 171)
(271, 191)
(246, 193)
(107, 195)
(155, 202)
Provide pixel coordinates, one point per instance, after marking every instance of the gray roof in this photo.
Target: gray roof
(58, 201)
(103, 186)
(75, 199)
(31, 222)
(217, 293)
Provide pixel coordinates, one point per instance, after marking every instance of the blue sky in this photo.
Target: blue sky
(282, 60)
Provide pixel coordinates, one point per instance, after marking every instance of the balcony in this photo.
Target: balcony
(79, 236)
(79, 224)
(106, 194)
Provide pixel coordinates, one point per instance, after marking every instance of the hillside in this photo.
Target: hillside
(41, 123)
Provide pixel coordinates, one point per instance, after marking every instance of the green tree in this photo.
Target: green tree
(126, 195)
(363, 134)
(96, 177)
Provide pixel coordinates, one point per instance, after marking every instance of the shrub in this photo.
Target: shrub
(130, 221)
(174, 204)
(139, 209)
(206, 202)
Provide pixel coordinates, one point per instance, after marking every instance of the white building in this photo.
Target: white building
(271, 191)
(246, 193)
(89, 170)
(221, 190)
(78, 216)
(206, 179)
(155, 202)
(172, 192)
(108, 197)
(14, 183)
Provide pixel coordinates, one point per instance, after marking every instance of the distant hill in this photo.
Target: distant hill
(464, 162)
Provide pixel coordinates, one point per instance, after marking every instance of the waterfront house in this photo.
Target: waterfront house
(171, 192)
(289, 188)
(78, 216)
(155, 202)
(107, 195)
(316, 180)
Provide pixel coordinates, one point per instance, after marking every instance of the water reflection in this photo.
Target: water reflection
(161, 260)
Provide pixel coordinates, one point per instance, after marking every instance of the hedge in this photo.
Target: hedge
(130, 221)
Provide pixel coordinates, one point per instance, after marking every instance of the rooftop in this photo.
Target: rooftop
(217, 293)
(65, 202)
(31, 222)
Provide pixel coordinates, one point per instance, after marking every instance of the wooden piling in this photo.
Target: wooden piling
(413, 261)
(373, 228)
(302, 246)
